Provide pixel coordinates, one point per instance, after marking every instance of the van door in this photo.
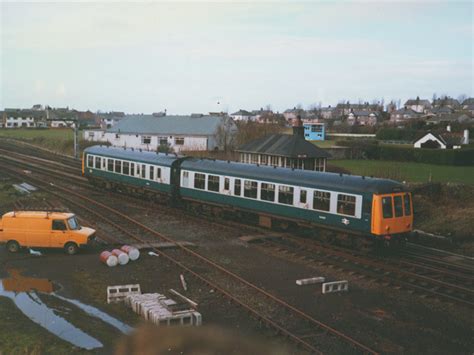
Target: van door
(58, 233)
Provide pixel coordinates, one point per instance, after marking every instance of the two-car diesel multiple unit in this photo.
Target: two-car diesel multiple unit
(354, 205)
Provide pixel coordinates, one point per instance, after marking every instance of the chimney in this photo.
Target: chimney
(465, 139)
(298, 129)
(448, 128)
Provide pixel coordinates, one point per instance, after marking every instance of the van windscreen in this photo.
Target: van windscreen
(73, 225)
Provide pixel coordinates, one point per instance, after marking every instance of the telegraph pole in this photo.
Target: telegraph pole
(76, 141)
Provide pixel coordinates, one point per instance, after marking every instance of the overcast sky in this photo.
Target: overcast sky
(200, 57)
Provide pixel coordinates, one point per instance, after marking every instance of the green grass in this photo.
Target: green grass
(324, 144)
(407, 171)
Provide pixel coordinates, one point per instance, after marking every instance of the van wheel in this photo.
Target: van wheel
(71, 248)
(13, 246)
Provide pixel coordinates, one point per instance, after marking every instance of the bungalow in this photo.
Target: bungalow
(168, 133)
(446, 140)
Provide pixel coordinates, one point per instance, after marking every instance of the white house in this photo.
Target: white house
(18, 118)
(442, 141)
(174, 133)
(243, 115)
(418, 105)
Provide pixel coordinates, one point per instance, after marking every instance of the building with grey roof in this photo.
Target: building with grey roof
(168, 133)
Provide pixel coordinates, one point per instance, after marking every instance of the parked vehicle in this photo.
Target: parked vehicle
(43, 230)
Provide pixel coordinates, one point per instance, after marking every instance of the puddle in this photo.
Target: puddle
(23, 291)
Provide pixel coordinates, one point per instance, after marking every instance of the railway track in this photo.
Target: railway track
(286, 319)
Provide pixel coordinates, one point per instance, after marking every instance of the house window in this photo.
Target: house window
(179, 141)
(285, 195)
(90, 134)
(387, 207)
(250, 189)
(321, 200)
(146, 139)
(398, 206)
(199, 181)
(163, 140)
(237, 187)
(226, 184)
(267, 192)
(90, 161)
(118, 166)
(213, 183)
(303, 196)
(98, 162)
(346, 204)
(116, 134)
(110, 165)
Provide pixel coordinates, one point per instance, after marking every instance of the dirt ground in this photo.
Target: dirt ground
(386, 319)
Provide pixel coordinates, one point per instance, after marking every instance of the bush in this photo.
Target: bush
(397, 134)
(461, 157)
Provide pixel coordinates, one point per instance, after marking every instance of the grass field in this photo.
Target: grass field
(407, 171)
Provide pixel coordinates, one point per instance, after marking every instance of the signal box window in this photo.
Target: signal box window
(398, 204)
(250, 188)
(90, 161)
(303, 196)
(110, 165)
(98, 162)
(321, 200)
(346, 204)
(199, 181)
(213, 183)
(406, 200)
(267, 192)
(59, 225)
(387, 207)
(237, 187)
(285, 195)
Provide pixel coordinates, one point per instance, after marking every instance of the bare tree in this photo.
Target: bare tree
(462, 98)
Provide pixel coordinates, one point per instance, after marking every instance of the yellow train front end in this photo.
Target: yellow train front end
(392, 216)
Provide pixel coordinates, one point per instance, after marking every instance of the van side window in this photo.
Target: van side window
(387, 207)
(59, 225)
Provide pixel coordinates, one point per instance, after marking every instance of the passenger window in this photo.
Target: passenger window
(303, 196)
(346, 204)
(387, 207)
(199, 181)
(152, 173)
(158, 173)
(98, 161)
(398, 204)
(237, 187)
(90, 161)
(285, 195)
(132, 169)
(126, 167)
(407, 199)
(118, 166)
(110, 165)
(143, 171)
(267, 192)
(59, 225)
(321, 200)
(250, 188)
(213, 183)
(226, 184)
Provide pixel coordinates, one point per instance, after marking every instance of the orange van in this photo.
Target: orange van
(43, 230)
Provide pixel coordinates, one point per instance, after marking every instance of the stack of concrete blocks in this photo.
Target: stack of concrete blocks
(161, 310)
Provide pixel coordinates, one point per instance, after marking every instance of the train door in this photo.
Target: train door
(303, 199)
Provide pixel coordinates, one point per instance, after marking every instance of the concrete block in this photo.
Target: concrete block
(335, 286)
(120, 292)
(309, 281)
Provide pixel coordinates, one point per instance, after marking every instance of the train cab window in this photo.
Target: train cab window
(285, 195)
(237, 187)
(98, 162)
(398, 206)
(267, 192)
(226, 184)
(321, 200)
(118, 166)
(303, 196)
(132, 169)
(143, 171)
(90, 161)
(387, 207)
(406, 200)
(213, 183)
(152, 172)
(199, 181)
(59, 225)
(126, 167)
(346, 204)
(250, 188)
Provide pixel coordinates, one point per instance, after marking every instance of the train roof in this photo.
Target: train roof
(311, 179)
(133, 155)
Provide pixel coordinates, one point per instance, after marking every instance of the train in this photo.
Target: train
(348, 207)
